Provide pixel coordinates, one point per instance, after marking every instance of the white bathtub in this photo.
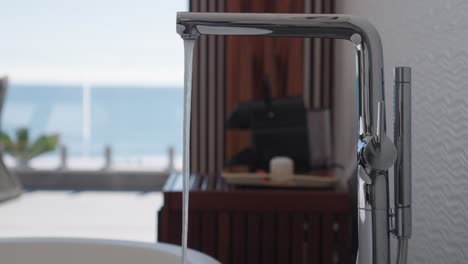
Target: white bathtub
(92, 251)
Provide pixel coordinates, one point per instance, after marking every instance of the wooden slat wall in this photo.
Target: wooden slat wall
(249, 59)
(263, 227)
(207, 128)
(229, 70)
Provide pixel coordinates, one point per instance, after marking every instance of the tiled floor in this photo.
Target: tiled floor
(108, 215)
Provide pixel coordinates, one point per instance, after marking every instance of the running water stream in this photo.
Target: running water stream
(189, 45)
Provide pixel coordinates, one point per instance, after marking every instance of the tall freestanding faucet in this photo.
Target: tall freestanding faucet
(375, 152)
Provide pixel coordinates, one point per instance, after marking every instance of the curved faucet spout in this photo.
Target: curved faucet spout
(357, 30)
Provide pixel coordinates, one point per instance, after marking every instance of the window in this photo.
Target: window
(99, 73)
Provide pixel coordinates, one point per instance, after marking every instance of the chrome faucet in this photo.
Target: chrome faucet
(375, 152)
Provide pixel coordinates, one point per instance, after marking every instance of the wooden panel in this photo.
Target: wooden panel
(283, 240)
(254, 201)
(255, 62)
(238, 238)
(207, 134)
(219, 99)
(295, 61)
(344, 233)
(317, 77)
(268, 238)
(163, 235)
(175, 233)
(279, 59)
(313, 238)
(211, 104)
(298, 242)
(232, 83)
(269, 58)
(330, 74)
(328, 238)
(244, 61)
(220, 95)
(194, 234)
(292, 52)
(224, 237)
(208, 232)
(326, 62)
(253, 238)
(307, 58)
(263, 226)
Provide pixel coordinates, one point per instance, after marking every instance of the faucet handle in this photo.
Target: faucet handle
(380, 132)
(379, 153)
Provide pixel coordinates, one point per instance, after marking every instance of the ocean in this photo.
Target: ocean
(135, 121)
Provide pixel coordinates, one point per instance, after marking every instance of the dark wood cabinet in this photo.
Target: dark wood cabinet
(262, 226)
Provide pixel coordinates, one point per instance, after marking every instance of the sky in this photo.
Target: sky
(91, 41)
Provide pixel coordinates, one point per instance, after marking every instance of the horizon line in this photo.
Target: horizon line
(95, 77)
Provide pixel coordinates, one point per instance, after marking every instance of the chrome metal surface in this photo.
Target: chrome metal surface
(378, 157)
(373, 220)
(376, 153)
(380, 120)
(402, 74)
(379, 154)
(402, 255)
(402, 139)
(304, 25)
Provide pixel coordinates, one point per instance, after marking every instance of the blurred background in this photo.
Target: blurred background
(92, 116)
(103, 74)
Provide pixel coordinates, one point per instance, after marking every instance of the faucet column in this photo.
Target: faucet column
(376, 156)
(402, 139)
(402, 170)
(373, 221)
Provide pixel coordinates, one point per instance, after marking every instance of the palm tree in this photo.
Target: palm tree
(22, 150)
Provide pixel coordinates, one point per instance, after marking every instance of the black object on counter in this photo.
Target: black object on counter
(279, 128)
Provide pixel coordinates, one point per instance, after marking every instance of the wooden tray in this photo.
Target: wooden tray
(293, 181)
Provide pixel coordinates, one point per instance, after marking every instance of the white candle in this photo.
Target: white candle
(281, 168)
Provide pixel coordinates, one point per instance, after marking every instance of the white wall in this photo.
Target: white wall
(431, 36)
